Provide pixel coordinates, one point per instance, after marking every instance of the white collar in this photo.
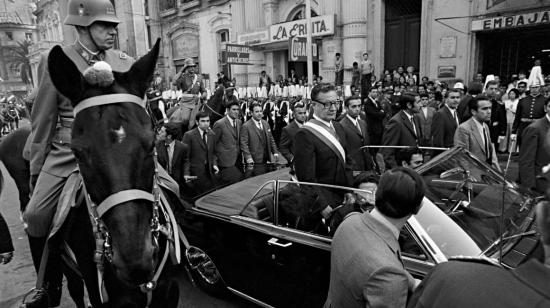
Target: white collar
(231, 120)
(201, 131)
(450, 109)
(382, 219)
(547, 117)
(353, 120)
(329, 124)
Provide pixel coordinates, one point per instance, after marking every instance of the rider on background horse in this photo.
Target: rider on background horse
(192, 86)
(48, 147)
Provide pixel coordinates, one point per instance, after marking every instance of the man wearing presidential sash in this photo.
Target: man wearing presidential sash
(320, 156)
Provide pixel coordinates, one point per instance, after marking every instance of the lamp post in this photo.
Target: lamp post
(309, 44)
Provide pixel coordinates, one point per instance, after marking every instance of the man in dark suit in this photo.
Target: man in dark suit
(257, 143)
(425, 117)
(286, 145)
(474, 134)
(474, 89)
(446, 120)
(356, 136)
(473, 283)
(534, 154)
(402, 130)
(227, 148)
(375, 118)
(171, 153)
(200, 163)
(366, 268)
(497, 126)
(320, 155)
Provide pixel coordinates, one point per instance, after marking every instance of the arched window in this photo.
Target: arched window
(299, 12)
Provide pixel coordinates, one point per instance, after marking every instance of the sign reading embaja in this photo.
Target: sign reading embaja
(237, 54)
(320, 25)
(512, 21)
(297, 51)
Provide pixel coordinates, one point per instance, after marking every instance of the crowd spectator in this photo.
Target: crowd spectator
(357, 137)
(402, 130)
(445, 121)
(338, 70)
(286, 145)
(372, 274)
(265, 81)
(511, 105)
(534, 154)
(409, 158)
(425, 118)
(355, 75)
(367, 70)
(200, 164)
(474, 89)
(474, 134)
(529, 109)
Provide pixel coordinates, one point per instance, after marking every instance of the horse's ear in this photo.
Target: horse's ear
(64, 74)
(141, 72)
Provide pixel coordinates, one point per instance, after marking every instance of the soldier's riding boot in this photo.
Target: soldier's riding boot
(47, 293)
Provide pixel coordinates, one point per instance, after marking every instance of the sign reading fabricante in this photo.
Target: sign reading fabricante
(513, 21)
(237, 54)
(297, 51)
(320, 25)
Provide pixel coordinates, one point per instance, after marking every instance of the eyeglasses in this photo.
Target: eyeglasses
(327, 105)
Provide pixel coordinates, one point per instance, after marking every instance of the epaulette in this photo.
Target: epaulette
(477, 259)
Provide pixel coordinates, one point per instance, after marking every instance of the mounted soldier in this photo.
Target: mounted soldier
(192, 86)
(48, 148)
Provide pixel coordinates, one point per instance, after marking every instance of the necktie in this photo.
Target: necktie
(235, 128)
(486, 143)
(414, 127)
(260, 126)
(455, 117)
(169, 158)
(358, 126)
(204, 138)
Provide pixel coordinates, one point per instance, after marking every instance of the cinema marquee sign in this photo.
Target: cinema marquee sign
(513, 21)
(320, 26)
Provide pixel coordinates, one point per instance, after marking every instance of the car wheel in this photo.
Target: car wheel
(204, 272)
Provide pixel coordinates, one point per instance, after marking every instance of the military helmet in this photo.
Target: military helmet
(86, 12)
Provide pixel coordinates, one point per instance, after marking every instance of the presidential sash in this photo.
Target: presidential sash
(321, 131)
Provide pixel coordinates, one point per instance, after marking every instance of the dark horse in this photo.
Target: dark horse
(114, 147)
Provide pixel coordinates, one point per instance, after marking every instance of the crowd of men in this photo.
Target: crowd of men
(326, 137)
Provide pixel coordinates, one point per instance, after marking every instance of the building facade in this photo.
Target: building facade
(50, 14)
(190, 29)
(17, 32)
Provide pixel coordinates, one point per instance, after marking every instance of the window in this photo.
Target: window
(9, 35)
(409, 246)
(261, 206)
(167, 5)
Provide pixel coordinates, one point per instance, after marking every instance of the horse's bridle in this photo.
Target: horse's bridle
(101, 235)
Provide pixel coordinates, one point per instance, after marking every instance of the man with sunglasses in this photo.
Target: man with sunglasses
(320, 149)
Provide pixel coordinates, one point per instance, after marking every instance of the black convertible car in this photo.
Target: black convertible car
(248, 239)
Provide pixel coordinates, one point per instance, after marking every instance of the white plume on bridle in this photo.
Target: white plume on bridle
(100, 75)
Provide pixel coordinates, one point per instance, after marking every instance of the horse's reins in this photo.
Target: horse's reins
(101, 234)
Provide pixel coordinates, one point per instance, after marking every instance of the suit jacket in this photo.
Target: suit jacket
(286, 146)
(443, 128)
(200, 157)
(468, 136)
(355, 139)
(49, 142)
(498, 121)
(370, 274)
(227, 146)
(6, 244)
(399, 131)
(472, 284)
(534, 154)
(463, 109)
(178, 159)
(426, 125)
(375, 119)
(251, 145)
(315, 162)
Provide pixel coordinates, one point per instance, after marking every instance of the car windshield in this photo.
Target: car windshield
(476, 198)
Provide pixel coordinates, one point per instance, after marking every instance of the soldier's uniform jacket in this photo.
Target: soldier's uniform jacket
(48, 146)
(529, 109)
(191, 83)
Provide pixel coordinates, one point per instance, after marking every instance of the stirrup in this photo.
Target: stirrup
(38, 300)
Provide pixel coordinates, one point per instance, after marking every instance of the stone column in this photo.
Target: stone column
(332, 44)
(254, 18)
(240, 72)
(271, 13)
(354, 34)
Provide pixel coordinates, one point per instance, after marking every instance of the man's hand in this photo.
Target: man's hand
(513, 137)
(189, 178)
(249, 161)
(276, 157)
(32, 181)
(6, 257)
(326, 212)
(216, 169)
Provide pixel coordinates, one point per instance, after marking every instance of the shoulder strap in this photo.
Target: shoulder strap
(76, 58)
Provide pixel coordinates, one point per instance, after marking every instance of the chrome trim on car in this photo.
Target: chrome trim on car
(426, 240)
(249, 298)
